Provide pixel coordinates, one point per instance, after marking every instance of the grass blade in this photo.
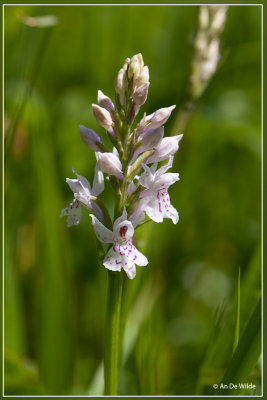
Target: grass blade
(237, 327)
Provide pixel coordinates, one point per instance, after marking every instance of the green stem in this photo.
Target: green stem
(112, 349)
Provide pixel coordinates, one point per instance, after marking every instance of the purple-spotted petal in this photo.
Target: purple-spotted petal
(130, 270)
(160, 207)
(154, 211)
(73, 213)
(113, 260)
(139, 258)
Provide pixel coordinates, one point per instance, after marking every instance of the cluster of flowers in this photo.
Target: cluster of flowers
(207, 46)
(133, 151)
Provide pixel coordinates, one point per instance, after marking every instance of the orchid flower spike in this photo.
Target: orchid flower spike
(123, 254)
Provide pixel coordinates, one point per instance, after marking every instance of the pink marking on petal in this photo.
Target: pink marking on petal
(118, 262)
(159, 203)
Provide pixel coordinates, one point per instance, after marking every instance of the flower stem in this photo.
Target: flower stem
(112, 348)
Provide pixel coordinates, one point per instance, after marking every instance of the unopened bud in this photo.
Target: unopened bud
(110, 164)
(134, 67)
(167, 147)
(140, 95)
(102, 116)
(204, 17)
(120, 84)
(218, 19)
(90, 138)
(150, 140)
(105, 101)
(143, 76)
(140, 129)
(126, 63)
(161, 116)
(152, 137)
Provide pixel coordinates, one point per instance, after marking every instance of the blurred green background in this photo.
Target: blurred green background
(180, 331)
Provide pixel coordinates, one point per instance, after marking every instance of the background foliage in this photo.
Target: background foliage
(180, 333)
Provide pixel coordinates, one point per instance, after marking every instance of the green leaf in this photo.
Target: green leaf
(247, 353)
(236, 340)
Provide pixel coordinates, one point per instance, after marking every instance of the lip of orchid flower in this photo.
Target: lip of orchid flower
(122, 254)
(73, 213)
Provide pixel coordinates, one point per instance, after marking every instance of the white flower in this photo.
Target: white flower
(155, 200)
(83, 195)
(110, 163)
(123, 254)
(166, 147)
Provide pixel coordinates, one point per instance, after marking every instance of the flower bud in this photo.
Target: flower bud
(140, 95)
(140, 129)
(152, 138)
(102, 116)
(204, 17)
(110, 164)
(134, 67)
(90, 138)
(143, 76)
(167, 147)
(218, 18)
(161, 116)
(105, 101)
(120, 84)
(140, 59)
(126, 63)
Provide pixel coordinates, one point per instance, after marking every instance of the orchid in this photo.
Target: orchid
(155, 199)
(123, 254)
(132, 149)
(83, 195)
